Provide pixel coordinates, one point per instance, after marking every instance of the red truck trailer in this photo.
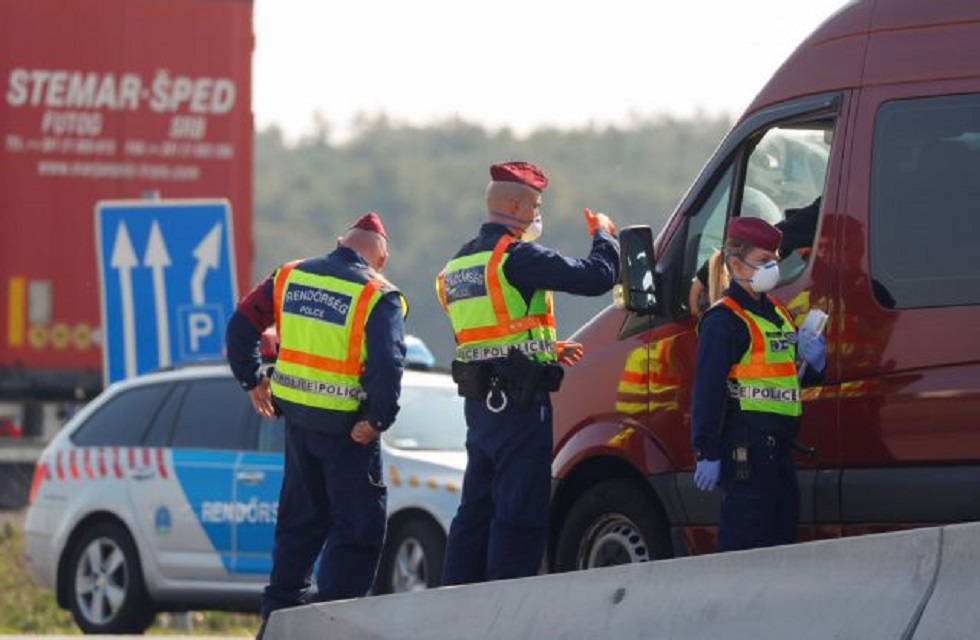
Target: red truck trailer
(107, 100)
(872, 128)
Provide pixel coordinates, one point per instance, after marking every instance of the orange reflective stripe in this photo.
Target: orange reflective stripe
(493, 280)
(360, 320)
(757, 346)
(755, 370)
(320, 363)
(509, 326)
(279, 288)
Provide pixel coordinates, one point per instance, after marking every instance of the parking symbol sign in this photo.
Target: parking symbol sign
(167, 280)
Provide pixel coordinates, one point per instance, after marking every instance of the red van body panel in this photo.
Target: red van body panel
(896, 422)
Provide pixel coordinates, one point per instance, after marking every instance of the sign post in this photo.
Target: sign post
(167, 282)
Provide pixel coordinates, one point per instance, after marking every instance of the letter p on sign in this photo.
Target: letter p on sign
(202, 332)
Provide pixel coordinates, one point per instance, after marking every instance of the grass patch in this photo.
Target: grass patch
(28, 609)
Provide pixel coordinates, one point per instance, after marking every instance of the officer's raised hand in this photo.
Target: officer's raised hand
(814, 350)
(598, 222)
(364, 433)
(569, 353)
(706, 474)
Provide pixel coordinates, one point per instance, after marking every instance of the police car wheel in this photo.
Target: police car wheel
(412, 558)
(106, 593)
(614, 522)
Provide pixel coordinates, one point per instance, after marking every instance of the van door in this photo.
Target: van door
(909, 356)
(781, 164)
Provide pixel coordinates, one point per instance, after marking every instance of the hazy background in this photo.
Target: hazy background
(400, 108)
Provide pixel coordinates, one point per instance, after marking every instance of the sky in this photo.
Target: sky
(522, 65)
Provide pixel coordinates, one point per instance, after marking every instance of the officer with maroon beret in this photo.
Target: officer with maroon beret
(337, 380)
(746, 403)
(497, 291)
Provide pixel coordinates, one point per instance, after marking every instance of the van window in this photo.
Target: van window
(785, 172)
(925, 202)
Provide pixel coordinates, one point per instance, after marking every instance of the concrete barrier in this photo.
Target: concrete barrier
(869, 587)
(953, 611)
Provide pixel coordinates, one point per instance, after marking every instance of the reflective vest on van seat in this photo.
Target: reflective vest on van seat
(765, 379)
(320, 321)
(489, 315)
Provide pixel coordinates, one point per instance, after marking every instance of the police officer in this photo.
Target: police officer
(497, 291)
(337, 380)
(746, 401)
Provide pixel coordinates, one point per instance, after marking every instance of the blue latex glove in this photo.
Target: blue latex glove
(814, 351)
(706, 474)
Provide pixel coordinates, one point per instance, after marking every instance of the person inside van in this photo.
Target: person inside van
(746, 403)
(798, 228)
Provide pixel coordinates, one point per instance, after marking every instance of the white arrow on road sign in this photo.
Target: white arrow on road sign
(124, 259)
(157, 259)
(166, 266)
(208, 254)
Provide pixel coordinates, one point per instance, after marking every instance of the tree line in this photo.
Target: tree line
(428, 183)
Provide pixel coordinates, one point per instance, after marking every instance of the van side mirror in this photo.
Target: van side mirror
(636, 291)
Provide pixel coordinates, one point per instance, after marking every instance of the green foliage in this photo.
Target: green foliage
(428, 182)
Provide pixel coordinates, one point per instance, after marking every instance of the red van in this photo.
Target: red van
(873, 126)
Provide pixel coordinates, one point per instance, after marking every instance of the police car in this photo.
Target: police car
(161, 495)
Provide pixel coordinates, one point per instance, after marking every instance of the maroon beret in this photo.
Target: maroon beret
(522, 172)
(370, 221)
(756, 232)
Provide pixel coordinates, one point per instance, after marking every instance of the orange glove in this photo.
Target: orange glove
(597, 221)
(570, 352)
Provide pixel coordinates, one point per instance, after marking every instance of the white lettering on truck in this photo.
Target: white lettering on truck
(63, 89)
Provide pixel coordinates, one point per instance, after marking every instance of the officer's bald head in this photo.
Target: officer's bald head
(370, 245)
(512, 204)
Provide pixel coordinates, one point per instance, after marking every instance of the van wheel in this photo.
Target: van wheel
(106, 593)
(612, 523)
(412, 558)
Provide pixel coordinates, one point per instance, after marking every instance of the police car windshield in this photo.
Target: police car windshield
(430, 418)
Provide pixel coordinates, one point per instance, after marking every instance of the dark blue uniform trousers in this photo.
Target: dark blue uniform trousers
(763, 510)
(499, 530)
(332, 492)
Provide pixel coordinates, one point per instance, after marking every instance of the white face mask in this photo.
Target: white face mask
(533, 231)
(766, 277)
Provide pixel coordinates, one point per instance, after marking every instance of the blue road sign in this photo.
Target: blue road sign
(167, 279)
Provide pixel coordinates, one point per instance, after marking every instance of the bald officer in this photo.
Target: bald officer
(337, 380)
(497, 291)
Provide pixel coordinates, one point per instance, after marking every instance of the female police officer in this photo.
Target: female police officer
(746, 402)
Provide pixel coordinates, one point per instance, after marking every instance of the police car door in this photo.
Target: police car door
(257, 480)
(194, 521)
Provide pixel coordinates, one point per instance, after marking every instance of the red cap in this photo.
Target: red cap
(756, 232)
(522, 172)
(370, 221)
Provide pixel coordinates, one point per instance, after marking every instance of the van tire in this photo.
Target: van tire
(92, 606)
(614, 522)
